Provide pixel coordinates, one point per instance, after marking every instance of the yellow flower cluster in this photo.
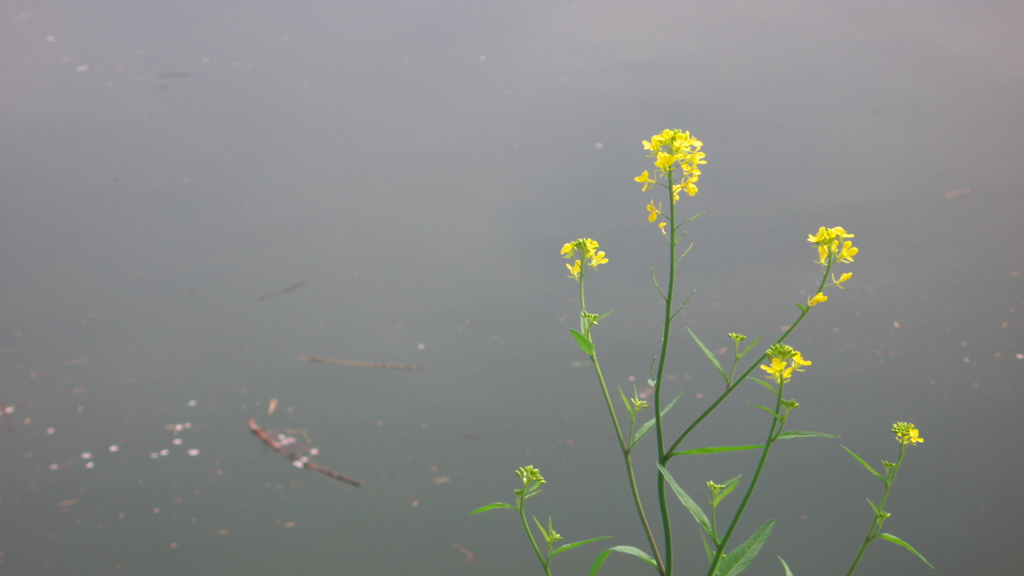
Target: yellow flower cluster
(784, 361)
(585, 250)
(906, 433)
(833, 247)
(669, 149)
(829, 250)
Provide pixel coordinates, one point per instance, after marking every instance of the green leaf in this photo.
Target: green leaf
(714, 449)
(643, 430)
(866, 465)
(765, 384)
(584, 342)
(804, 434)
(567, 547)
(492, 507)
(896, 540)
(547, 537)
(596, 567)
(768, 410)
(629, 407)
(707, 547)
(711, 356)
(730, 485)
(802, 308)
(741, 557)
(756, 340)
(602, 317)
(786, 566)
(692, 506)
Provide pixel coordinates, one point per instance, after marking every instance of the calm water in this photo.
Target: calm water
(421, 164)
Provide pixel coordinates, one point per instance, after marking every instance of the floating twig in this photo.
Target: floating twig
(470, 557)
(282, 291)
(300, 461)
(362, 364)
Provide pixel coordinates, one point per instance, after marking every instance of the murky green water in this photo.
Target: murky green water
(421, 165)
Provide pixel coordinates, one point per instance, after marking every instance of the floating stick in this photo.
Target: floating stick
(282, 291)
(295, 458)
(362, 364)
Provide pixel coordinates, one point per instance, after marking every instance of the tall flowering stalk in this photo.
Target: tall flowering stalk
(677, 158)
(907, 435)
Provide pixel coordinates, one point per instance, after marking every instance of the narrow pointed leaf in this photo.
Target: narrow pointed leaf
(707, 547)
(765, 384)
(643, 430)
(730, 485)
(804, 434)
(584, 342)
(741, 557)
(492, 507)
(692, 506)
(567, 547)
(629, 407)
(542, 530)
(602, 316)
(896, 540)
(786, 566)
(711, 356)
(596, 567)
(752, 344)
(768, 410)
(715, 449)
(866, 465)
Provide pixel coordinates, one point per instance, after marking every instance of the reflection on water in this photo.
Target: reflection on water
(422, 165)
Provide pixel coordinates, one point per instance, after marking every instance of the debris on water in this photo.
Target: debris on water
(956, 193)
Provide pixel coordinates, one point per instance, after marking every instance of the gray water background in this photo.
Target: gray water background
(421, 164)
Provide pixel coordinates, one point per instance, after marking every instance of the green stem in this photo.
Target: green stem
(753, 484)
(665, 332)
(529, 533)
(628, 458)
(734, 384)
(876, 524)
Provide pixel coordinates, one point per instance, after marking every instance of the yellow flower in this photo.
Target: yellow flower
(777, 367)
(780, 369)
(848, 252)
(574, 270)
(816, 299)
(664, 161)
(842, 279)
(653, 212)
(661, 226)
(906, 433)
(645, 179)
(585, 250)
(829, 250)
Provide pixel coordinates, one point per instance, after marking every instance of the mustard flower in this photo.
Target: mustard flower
(833, 245)
(653, 211)
(585, 251)
(839, 283)
(646, 180)
(816, 299)
(784, 361)
(673, 148)
(906, 433)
